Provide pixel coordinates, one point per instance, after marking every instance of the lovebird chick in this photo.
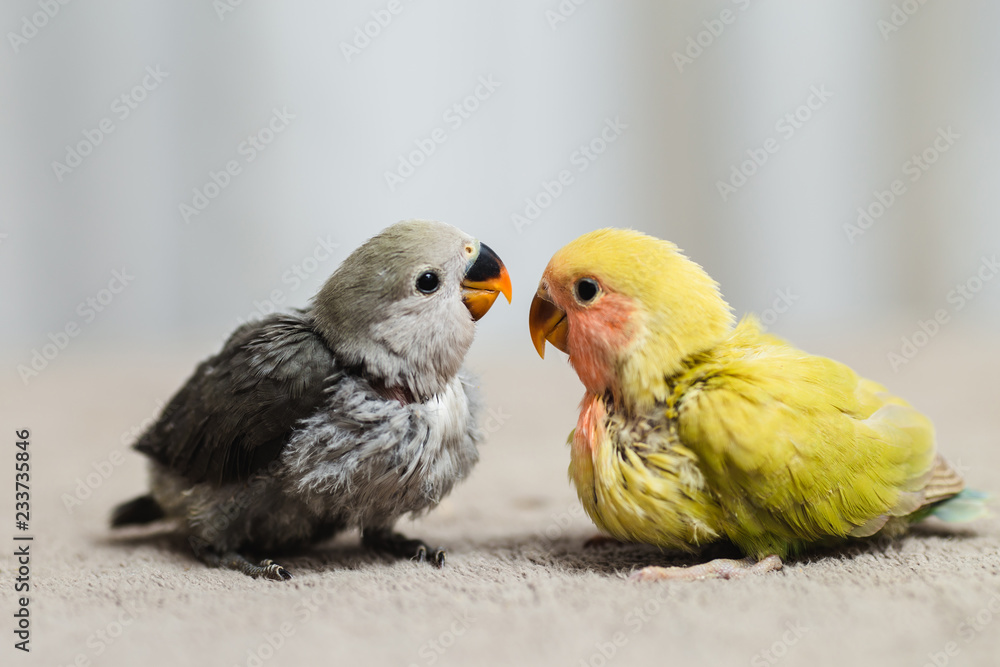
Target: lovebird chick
(693, 430)
(347, 414)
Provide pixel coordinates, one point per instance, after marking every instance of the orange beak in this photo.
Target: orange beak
(484, 279)
(547, 323)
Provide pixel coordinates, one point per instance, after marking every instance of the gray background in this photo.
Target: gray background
(519, 584)
(324, 176)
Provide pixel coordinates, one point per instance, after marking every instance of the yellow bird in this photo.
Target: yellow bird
(693, 430)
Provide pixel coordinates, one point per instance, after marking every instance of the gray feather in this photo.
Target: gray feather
(361, 462)
(236, 413)
(410, 339)
(353, 412)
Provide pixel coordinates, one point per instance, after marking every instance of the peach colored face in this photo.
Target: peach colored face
(585, 320)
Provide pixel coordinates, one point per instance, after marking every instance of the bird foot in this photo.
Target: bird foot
(426, 554)
(395, 544)
(720, 568)
(267, 569)
(271, 570)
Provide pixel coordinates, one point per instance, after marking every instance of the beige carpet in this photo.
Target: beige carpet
(518, 588)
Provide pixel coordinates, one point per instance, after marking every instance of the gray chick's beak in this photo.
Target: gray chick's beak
(484, 279)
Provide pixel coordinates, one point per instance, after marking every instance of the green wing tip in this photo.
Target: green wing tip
(968, 505)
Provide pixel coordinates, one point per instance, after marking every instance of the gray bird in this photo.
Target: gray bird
(347, 414)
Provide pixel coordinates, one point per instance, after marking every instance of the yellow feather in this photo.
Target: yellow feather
(712, 431)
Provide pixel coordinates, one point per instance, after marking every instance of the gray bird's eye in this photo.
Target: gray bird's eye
(428, 282)
(587, 289)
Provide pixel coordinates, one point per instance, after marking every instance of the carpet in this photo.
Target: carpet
(519, 587)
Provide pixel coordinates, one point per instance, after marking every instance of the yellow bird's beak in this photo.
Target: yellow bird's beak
(547, 323)
(484, 279)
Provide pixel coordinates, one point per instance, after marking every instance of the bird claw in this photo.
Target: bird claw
(267, 569)
(399, 546)
(273, 571)
(437, 557)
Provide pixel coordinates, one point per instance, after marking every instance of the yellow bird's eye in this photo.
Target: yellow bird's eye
(587, 290)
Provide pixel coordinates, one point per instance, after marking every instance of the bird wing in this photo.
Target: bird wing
(236, 412)
(798, 447)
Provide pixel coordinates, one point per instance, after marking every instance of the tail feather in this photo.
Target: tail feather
(143, 509)
(968, 505)
(945, 496)
(944, 482)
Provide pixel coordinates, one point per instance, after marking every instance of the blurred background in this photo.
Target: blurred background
(169, 169)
